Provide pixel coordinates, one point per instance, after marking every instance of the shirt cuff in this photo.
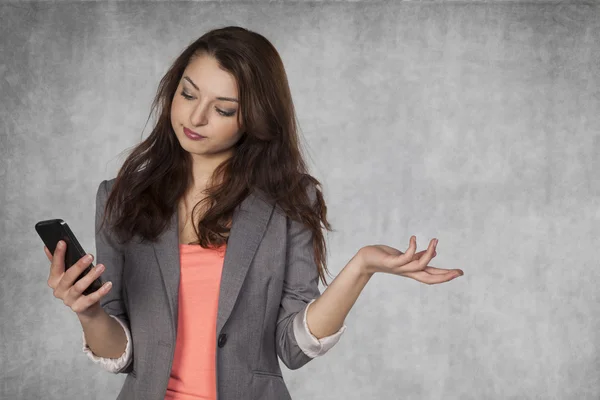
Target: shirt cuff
(110, 364)
(310, 345)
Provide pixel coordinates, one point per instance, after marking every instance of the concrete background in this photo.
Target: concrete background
(473, 122)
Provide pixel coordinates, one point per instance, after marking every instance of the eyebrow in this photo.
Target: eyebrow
(218, 98)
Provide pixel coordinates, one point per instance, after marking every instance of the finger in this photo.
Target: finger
(420, 254)
(430, 279)
(84, 302)
(73, 273)
(57, 267)
(412, 248)
(87, 280)
(418, 261)
(396, 252)
(81, 285)
(426, 258)
(438, 271)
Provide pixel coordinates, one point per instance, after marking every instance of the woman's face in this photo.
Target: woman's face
(200, 105)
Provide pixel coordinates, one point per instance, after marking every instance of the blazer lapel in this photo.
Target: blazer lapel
(248, 225)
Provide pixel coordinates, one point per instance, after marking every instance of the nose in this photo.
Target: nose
(199, 116)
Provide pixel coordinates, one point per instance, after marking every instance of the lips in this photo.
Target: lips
(191, 133)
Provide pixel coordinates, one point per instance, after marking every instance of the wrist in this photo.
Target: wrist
(360, 266)
(92, 313)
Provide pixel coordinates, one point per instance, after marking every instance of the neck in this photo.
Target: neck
(203, 168)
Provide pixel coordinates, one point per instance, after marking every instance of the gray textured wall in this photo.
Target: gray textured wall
(473, 122)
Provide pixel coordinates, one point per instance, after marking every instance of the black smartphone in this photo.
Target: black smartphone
(53, 230)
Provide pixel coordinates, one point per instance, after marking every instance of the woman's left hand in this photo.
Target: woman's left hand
(382, 258)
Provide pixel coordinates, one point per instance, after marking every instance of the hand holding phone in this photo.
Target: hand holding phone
(72, 294)
(74, 279)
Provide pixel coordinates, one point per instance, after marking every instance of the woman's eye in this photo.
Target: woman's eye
(223, 113)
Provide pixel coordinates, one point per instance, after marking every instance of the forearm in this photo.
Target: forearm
(326, 315)
(104, 335)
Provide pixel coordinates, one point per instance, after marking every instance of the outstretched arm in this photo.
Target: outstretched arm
(327, 313)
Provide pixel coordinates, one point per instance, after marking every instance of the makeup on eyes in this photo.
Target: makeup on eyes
(224, 113)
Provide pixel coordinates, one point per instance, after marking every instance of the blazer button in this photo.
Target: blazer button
(222, 339)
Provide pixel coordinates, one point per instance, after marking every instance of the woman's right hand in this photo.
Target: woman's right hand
(71, 294)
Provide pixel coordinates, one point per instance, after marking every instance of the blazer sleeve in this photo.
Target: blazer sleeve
(300, 288)
(110, 254)
(309, 343)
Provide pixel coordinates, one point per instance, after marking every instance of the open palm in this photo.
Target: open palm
(382, 258)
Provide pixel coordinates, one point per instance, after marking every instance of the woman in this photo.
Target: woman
(214, 247)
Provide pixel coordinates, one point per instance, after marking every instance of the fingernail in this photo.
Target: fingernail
(60, 244)
(88, 258)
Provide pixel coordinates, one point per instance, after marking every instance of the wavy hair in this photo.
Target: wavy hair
(158, 171)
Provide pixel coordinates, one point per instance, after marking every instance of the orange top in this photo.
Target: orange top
(193, 374)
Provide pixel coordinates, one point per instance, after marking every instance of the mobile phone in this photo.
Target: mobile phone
(53, 230)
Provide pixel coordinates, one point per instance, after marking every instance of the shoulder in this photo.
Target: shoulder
(106, 186)
(110, 183)
(107, 183)
(103, 191)
(310, 189)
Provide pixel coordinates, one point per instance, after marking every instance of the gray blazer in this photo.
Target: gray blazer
(268, 277)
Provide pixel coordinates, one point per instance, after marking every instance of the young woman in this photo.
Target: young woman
(211, 237)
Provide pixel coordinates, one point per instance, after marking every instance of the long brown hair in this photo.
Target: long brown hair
(267, 157)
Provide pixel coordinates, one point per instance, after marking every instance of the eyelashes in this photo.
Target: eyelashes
(223, 113)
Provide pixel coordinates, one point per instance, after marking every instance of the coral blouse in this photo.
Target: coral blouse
(193, 376)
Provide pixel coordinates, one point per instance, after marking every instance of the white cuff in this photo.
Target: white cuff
(310, 345)
(111, 364)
